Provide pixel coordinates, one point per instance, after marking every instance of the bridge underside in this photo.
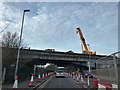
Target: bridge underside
(63, 63)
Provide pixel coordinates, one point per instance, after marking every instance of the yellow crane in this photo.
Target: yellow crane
(84, 46)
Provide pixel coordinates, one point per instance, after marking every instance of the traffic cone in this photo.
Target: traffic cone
(81, 77)
(77, 77)
(39, 77)
(49, 74)
(15, 86)
(88, 80)
(31, 81)
(46, 75)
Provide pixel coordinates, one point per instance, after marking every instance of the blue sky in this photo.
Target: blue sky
(53, 24)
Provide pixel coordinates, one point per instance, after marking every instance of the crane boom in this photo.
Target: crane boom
(84, 43)
(82, 39)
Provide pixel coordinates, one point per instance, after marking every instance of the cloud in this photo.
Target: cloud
(61, 1)
(53, 24)
(11, 17)
(3, 24)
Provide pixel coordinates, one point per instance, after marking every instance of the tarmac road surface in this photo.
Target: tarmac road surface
(57, 83)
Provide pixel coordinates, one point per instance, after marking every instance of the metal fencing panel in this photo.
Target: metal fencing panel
(108, 69)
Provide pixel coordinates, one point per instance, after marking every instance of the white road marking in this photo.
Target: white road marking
(45, 83)
(85, 86)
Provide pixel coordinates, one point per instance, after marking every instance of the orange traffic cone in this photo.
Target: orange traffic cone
(15, 86)
(31, 81)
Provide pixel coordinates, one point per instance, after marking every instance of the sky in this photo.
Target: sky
(52, 25)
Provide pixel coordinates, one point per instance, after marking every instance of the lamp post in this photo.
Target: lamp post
(89, 58)
(18, 53)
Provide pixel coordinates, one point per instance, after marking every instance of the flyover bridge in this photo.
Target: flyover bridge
(51, 56)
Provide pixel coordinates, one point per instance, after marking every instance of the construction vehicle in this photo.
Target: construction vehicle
(84, 45)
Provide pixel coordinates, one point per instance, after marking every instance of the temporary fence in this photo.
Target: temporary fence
(108, 71)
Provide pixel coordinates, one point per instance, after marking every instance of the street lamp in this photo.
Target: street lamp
(18, 53)
(89, 57)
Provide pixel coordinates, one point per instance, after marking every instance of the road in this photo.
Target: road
(66, 82)
(52, 83)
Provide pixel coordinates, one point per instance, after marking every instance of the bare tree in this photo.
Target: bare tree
(11, 40)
